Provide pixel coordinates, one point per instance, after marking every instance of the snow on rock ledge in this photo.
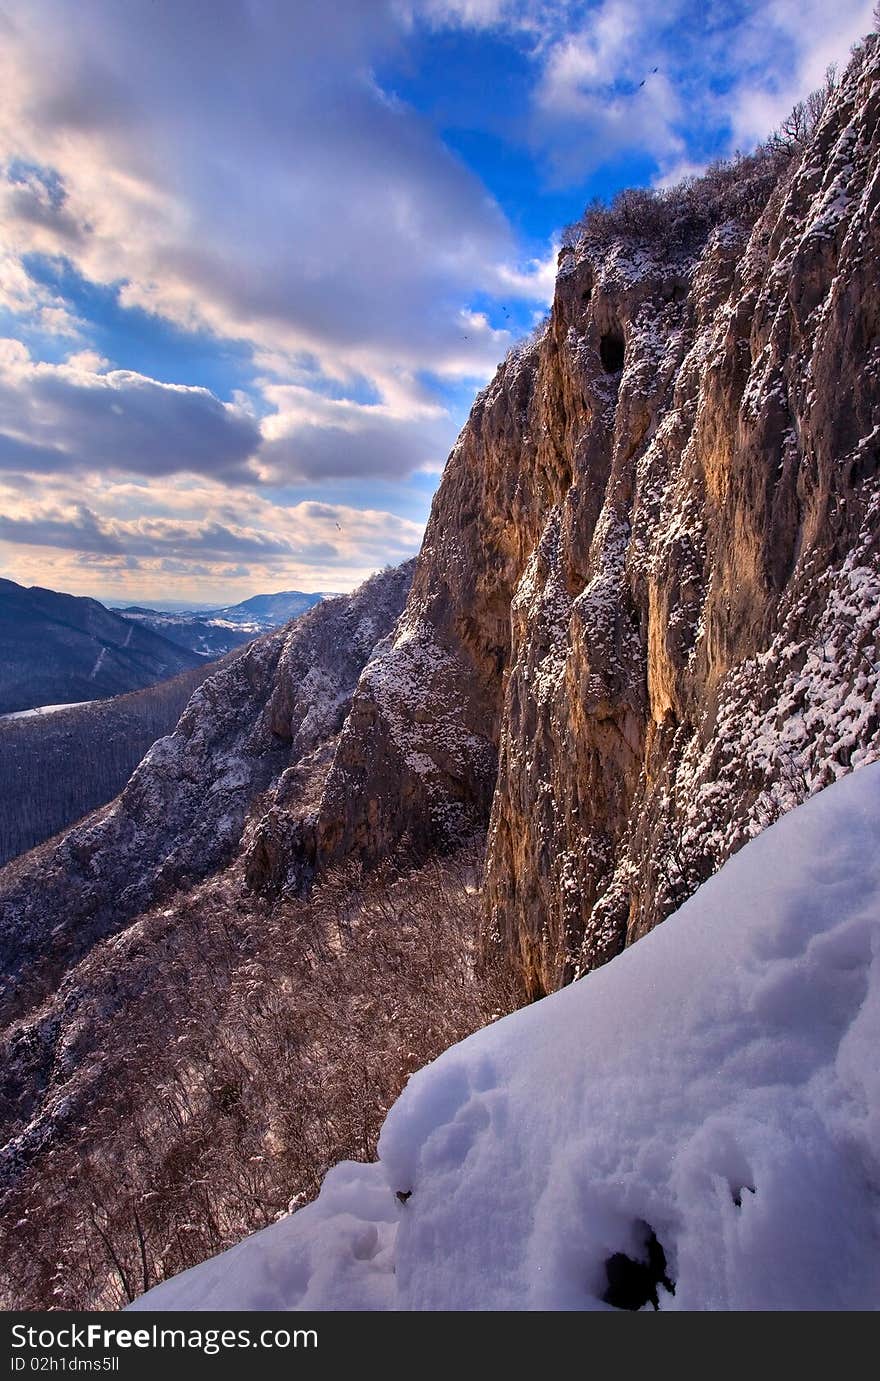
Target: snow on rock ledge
(718, 1082)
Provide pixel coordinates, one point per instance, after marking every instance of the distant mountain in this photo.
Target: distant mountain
(57, 649)
(265, 719)
(165, 606)
(196, 632)
(262, 612)
(214, 632)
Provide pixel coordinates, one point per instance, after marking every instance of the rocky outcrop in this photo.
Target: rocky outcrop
(644, 621)
(249, 752)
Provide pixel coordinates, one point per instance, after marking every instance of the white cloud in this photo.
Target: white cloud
(806, 35)
(732, 72)
(535, 282)
(70, 418)
(21, 296)
(81, 417)
(238, 543)
(469, 14)
(204, 172)
(87, 361)
(592, 58)
(206, 168)
(310, 437)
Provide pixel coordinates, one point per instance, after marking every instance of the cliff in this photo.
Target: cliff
(644, 621)
(642, 626)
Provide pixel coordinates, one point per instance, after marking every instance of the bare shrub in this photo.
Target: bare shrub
(271, 1049)
(683, 216)
(797, 128)
(735, 188)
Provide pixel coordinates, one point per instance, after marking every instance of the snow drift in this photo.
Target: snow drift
(696, 1124)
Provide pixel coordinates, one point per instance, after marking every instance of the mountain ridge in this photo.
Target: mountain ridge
(214, 632)
(245, 740)
(57, 648)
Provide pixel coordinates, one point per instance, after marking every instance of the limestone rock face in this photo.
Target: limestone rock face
(417, 758)
(644, 621)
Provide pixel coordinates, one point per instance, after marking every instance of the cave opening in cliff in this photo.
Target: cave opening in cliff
(612, 348)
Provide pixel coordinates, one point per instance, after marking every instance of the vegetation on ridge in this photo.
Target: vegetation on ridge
(736, 188)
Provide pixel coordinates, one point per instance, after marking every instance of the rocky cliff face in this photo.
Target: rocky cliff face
(644, 621)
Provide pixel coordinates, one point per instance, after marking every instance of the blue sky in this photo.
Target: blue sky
(254, 265)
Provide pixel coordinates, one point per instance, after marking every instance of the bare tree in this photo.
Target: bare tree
(260, 1044)
(797, 128)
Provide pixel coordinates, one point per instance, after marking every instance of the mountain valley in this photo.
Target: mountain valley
(643, 627)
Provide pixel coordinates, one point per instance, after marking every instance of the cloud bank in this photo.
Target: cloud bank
(246, 175)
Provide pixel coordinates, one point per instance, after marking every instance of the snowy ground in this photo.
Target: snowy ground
(717, 1084)
(45, 709)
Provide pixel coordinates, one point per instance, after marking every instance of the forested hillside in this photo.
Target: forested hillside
(62, 649)
(55, 768)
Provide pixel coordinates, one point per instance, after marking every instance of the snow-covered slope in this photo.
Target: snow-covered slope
(717, 1085)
